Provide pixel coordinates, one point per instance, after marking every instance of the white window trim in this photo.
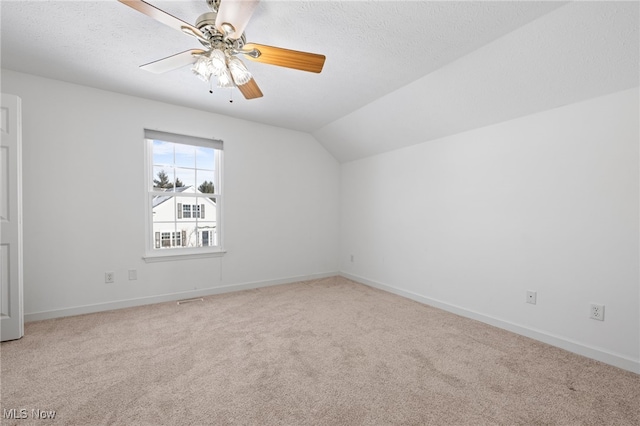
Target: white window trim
(169, 254)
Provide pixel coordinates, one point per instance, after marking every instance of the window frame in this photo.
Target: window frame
(153, 254)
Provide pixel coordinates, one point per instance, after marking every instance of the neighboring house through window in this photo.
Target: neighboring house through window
(183, 194)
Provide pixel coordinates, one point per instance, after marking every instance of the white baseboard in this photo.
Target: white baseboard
(109, 306)
(598, 354)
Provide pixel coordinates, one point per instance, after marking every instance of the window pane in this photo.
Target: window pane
(164, 219)
(205, 158)
(188, 230)
(206, 182)
(207, 221)
(185, 177)
(163, 177)
(163, 153)
(185, 156)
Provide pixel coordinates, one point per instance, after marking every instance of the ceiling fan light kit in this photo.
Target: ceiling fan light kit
(229, 70)
(239, 71)
(225, 81)
(221, 32)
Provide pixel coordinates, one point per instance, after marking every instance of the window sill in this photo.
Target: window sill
(167, 257)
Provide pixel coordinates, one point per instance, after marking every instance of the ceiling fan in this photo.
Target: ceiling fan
(221, 32)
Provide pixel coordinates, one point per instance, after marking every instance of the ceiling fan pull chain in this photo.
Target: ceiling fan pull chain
(231, 95)
(211, 86)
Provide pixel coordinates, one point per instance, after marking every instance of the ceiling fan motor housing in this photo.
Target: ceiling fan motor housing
(207, 24)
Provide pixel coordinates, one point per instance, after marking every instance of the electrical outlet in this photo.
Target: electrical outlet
(531, 297)
(597, 312)
(109, 277)
(133, 274)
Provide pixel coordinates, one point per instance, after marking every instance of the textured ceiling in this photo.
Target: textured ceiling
(397, 72)
(372, 48)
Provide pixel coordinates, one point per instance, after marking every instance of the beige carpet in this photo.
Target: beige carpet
(326, 352)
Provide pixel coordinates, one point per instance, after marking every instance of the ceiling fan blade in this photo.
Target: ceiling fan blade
(173, 62)
(250, 90)
(162, 16)
(236, 13)
(304, 61)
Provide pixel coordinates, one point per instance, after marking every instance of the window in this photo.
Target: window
(186, 210)
(184, 195)
(169, 239)
(207, 238)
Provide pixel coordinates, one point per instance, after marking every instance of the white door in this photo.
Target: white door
(11, 315)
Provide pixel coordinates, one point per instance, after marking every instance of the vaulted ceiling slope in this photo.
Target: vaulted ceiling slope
(579, 51)
(397, 72)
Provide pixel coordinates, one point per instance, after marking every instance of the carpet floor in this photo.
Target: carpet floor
(322, 352)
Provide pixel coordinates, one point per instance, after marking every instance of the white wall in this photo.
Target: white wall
(84, 204)
(547, 202)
